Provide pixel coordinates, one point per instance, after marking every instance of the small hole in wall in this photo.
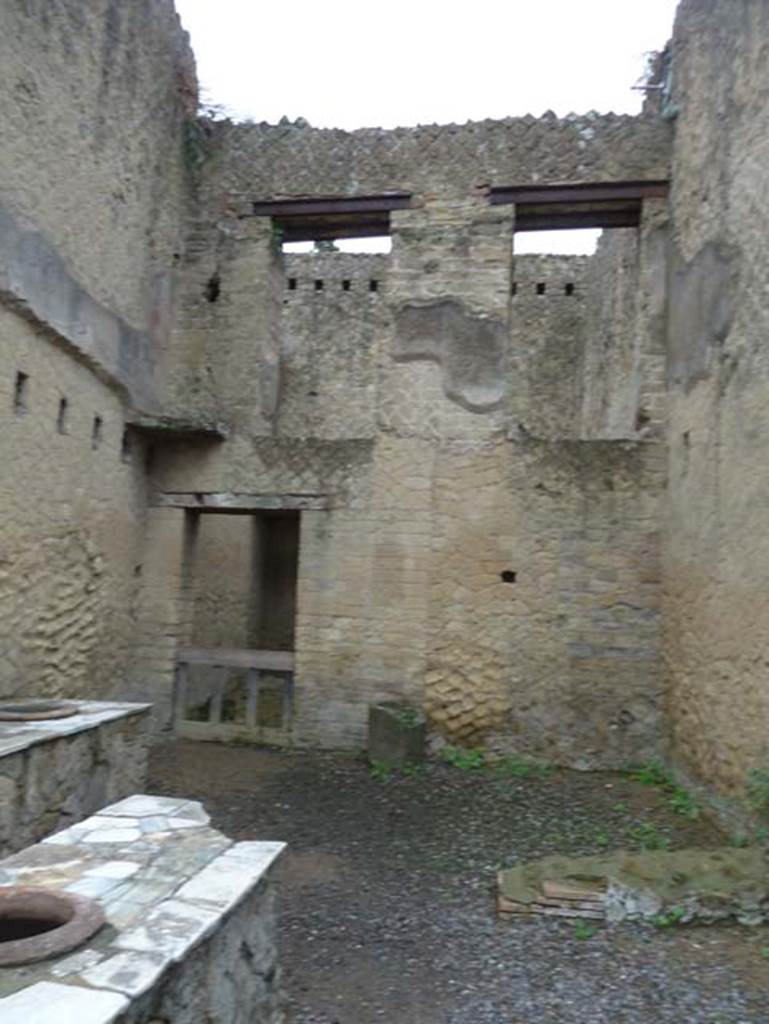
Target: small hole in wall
(96, 432)
(318, 286)
(345, 286)
(373, 286)
(61, 416)
(686, 438)
(541, 288)
(137, 570)
(568, 289)
(213, 288)
(126, 446)
(508, 576)
(292, 284)
(20, 393)
(642, 417)
(514, 288)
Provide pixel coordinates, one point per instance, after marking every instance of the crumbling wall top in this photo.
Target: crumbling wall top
(288, 159)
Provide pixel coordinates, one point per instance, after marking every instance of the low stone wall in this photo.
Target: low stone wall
(190, 922)
(56, 772)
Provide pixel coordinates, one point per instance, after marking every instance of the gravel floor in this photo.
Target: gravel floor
(386, 895)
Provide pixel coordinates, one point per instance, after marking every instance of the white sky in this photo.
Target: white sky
(346, 64)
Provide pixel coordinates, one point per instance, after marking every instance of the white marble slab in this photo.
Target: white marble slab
(174, 927)
(132, 973)
(16, 736)
(51, 1003)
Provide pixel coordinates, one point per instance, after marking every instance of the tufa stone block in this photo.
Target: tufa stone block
(396, 734)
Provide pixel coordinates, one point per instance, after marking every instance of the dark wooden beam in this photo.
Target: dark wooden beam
(237, 657)
(236, 503)
(578, 192)
(313, 218)
(175, 428)
(299, 206)
(615, 204)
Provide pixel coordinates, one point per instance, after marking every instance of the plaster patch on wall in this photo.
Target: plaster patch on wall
(469, 347)
(701, 310)
(35, 281)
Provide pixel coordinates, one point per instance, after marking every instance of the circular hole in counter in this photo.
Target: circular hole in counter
(37, 923)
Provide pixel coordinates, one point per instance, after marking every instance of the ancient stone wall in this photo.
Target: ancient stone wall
(253, 161)
(92, 175)
(623, 373)
(611, 381)
(223, 582)
(333, 308)
(240, 163)
(73, 497)
(510, 588)
(716, 553)
(547, 322)
(544, 599)
(92, 205)
(476, 558)
(416, 393)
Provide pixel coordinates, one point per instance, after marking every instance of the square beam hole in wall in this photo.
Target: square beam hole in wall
(20, 391)
(126, 446)
(61, 416)
(97, 430)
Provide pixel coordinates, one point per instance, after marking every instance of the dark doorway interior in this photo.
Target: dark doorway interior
(274, 573)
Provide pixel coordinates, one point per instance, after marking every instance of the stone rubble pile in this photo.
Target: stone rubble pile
(662, 886)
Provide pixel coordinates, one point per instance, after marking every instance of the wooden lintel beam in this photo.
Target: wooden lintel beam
(237, 657)
(224, 502)
(171, 428)
(578, 192)
(331, 205)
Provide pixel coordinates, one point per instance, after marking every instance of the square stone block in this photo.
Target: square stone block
(396, 734)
